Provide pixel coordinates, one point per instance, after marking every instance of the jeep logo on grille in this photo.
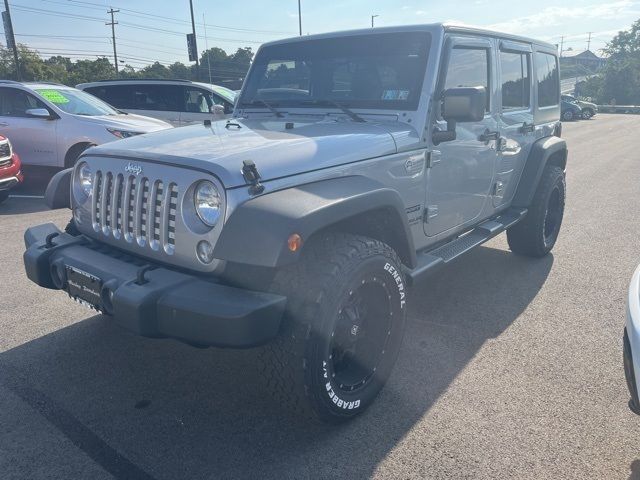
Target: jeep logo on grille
(133, 169)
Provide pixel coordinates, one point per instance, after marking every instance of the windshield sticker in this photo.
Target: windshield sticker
(395, 95)
(53, 96)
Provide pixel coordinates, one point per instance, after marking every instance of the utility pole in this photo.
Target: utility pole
(193, 28)
(300, 17)
(561, 45)
(113, 36)
(373, 20)
(589, 41)
(11, 39)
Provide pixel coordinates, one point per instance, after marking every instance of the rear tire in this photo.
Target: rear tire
(536, 235)
(587, 114)
(567, 116)
(343, 327)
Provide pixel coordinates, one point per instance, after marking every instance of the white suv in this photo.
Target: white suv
(51, 125)
(179, 102)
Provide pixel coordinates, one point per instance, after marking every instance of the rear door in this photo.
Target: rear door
(33, 139)
(461, 173)
(517, 129)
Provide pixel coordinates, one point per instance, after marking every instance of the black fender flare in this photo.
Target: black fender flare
(541, 151)
(58, 192)
(256, 233)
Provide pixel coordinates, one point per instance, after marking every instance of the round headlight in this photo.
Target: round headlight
(208, 203)
(85, 178)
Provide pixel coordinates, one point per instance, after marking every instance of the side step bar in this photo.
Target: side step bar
(432, 260)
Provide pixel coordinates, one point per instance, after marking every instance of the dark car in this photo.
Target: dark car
(10, 174)
(570, 111)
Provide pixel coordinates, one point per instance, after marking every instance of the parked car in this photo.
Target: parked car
(10, 168)
(589, 110)
(179, 102)
(302, 222)
(51, 124)
(570, 111)
(631, 342)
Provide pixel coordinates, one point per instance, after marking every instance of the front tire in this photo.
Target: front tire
(343, 327)
(536, 235)
(4, 196)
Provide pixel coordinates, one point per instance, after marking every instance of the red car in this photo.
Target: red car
(10, 174)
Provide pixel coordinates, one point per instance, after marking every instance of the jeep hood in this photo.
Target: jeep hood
(278, 148)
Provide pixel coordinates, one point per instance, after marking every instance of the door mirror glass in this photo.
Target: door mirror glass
(38, 113)
(464, 104)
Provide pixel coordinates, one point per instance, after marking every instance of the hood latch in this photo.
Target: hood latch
(251, 175)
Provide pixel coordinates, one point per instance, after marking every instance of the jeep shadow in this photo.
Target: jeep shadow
(143, 408)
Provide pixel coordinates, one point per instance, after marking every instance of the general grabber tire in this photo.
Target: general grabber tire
(343, 327)
(536, 235)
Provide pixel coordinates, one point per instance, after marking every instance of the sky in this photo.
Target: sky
(154, 30)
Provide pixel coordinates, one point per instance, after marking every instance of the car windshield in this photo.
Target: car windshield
(376, 71)
(228, 95)
(76, 102)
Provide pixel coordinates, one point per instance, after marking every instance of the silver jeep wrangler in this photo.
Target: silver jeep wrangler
(355, 165)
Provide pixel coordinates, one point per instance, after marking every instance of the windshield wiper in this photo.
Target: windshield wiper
(353, 115)
(255, 102)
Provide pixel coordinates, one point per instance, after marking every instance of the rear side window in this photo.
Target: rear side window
(516, 80)
(548, 79)
(469, 67)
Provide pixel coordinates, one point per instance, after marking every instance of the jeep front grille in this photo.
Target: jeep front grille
(135, 209)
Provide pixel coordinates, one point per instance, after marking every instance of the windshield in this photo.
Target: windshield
(376, 71)
(224, 92)
(76, 102)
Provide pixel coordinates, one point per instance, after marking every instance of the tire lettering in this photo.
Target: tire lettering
(340, 403)
(398, 279)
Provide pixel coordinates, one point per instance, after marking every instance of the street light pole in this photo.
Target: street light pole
(373, 20)
(11, 39)
(300, 17)
(193, 29)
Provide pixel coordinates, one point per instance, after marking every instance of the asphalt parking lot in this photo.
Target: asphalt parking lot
(511, 367)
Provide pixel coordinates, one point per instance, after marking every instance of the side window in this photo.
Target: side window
(15, 103)
(218, 100)
(197, 100)
(548, 79)
(163, 98)
(516, 80)
(118, 96)
(469, 67)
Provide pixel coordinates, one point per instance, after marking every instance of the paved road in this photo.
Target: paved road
(511, 367)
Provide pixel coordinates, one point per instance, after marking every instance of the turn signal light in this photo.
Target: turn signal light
(294, 242)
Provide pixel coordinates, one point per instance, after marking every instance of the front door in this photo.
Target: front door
(461, 174)
(33, 139)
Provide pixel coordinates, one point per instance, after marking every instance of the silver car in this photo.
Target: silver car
(51, 125)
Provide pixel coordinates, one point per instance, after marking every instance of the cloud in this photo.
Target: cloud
(553, 16)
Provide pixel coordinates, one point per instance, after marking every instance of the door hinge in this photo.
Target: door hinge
(430, 212)
(433, 158)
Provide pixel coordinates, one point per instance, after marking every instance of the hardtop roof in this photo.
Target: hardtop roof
(446, 27)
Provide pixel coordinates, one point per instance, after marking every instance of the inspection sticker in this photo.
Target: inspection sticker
(54, 96)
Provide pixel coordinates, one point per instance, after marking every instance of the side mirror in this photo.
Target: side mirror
(217, 110)
(463, 104)
(38, 113)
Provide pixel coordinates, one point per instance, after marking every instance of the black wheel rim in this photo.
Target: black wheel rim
(553, 216)
(360, 336)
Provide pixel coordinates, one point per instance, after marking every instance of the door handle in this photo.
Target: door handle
(527, 127)
(488, 135)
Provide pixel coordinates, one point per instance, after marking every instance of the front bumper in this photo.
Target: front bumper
(11, 175)
(631, 342)
(156, 302)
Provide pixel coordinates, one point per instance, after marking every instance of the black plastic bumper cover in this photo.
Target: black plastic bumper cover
(167, 304)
